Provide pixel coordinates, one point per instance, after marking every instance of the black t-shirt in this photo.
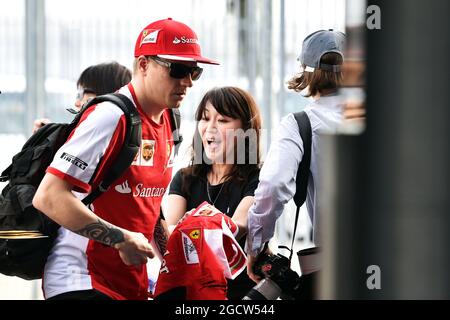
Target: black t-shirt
(225, 197)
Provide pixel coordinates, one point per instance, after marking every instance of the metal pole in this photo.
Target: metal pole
(282, 57)
(35, 74)
(35, 61)
(251, 54)
(265, 28)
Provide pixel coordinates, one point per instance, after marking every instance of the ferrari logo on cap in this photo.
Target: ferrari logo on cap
(149, 36)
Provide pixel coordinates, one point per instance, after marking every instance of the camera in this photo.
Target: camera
(279, 279)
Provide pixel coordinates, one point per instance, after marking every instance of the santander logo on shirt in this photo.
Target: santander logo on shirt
(140, 190)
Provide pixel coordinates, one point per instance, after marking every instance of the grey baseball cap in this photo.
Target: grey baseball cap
(317, 44)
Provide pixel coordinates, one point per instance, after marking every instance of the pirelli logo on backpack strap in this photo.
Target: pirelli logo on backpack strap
(74, 160)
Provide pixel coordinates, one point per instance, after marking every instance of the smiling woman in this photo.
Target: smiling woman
(214, 174)
(217, 133)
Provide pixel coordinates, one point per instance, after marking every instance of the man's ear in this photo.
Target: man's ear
(143, 64)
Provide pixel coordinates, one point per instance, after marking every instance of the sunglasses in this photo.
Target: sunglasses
(179, 70)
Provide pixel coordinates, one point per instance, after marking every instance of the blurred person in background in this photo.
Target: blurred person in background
(320, 79)
(102, 254)
(94, 81)
(353, 87)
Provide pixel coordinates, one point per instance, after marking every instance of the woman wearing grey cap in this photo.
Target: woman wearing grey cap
(320, 77)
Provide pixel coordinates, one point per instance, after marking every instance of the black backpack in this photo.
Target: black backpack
(26, 258)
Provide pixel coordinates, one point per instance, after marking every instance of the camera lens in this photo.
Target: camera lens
(264, 290)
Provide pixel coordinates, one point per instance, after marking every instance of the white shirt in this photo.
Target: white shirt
(277, 178)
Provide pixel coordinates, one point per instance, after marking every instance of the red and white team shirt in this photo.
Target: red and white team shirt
(132, 202)
(201, 253)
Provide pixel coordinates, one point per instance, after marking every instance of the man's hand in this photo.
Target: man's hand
(39, 123)
(135, 249)
(250, 263)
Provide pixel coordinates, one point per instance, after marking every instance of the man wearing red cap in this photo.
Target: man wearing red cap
(101, 251)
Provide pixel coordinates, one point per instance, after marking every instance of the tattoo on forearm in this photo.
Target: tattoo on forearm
(160, 237)
(102, 232)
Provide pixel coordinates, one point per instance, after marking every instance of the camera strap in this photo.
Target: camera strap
(303, 172)
(291, 250)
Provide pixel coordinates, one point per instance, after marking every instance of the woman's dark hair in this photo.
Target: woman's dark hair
(104, 78)
(235, 103)
(319, 81)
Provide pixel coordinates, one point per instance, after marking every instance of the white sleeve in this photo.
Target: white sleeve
(276, 184)
(78, 158)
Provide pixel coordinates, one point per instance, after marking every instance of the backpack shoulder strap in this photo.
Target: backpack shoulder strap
(129, 148)
(175, 120)
(301, 181)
